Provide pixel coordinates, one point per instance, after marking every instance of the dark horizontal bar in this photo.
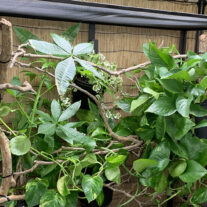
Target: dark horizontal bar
(102, 14)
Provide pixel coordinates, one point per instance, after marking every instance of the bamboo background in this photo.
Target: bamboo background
(122, 45)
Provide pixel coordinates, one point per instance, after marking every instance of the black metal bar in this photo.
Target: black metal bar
(183, 39)
(201, 10)
(92, 36)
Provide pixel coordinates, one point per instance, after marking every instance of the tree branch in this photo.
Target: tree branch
(12, 198)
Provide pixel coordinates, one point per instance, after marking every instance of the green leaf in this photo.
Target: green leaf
(10, 204)
(151, 92)
(113, 174)
(83, 48)
(56, 109)
(24, 35)
(47, 129)
(70, 111)
(193, 172)
(89, 159)
(44, 116)
(202, 123)
(197, 110)
(145, 133)
(124, 104)
(160, 127)
(52, 199)
(197, 91)
(199, 196)
(116, 160)
(203, 83)
(71, 199)
(47, 169)
(100, 199)
(177, 75)
(62, 42)
(72, 32)
(20, 145)
(141, 164)
(177, 168)
(35, 189)
(89, 67)
(64, 73)
(178, 126)
(92, 186)
(47, 48)
(161, 185)
(172, 85)
(183, 105)
(138, 102)
(62, 185)
(4, 111)
(164, 106)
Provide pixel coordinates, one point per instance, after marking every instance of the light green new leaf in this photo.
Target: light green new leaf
(62, 42)
(202, 123)
(193, 172)
(172, 85)
(70, 111)
(160, 127)
(92, 186)
(199, 196)
(20, 145)
(89, 67)
(164, 106)
(141, 164)
(4, 111)
(89, 159)
(197, 110)
(64, 73)
(35, 189)
(52, 199)
(55, 109)
(151, 92)
(83, 48)
(116, 160)
(113, 174)
(62, 185)
(138, 102)
(47, 129)
(47, 48)
(183, 105)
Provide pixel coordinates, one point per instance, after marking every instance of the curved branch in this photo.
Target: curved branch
(13, 198)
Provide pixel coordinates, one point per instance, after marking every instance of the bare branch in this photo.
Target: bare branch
(7, 177)
(12, 198)
(25, 88)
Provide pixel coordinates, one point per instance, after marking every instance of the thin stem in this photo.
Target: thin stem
(2, 121)
(172, 196)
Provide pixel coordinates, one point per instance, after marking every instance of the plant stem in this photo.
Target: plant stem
(172, 196)
(2, 121)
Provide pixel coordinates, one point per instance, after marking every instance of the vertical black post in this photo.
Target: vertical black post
(201, 10)
(91, 36)
(183, 40)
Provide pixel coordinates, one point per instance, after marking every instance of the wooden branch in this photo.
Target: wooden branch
(8, 181)
(12, 198)
(25, 88)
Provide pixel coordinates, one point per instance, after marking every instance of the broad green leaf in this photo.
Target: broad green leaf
(197, 91)
(44, 116)
(62, 42)
(193, 172)
(161, 184)
(89, 159)
(71, 32)
(100, 199)
(89, 67)
(83, 48)
(161, 154)
(203, 83)
(47, 48)
(177, 75)
(202, 123)
(199, 196)
(62, 185)
(64, 73)
(47, 169)
(172, 85)
(138, 102)
(177, 168)
(151, 92)
(124, 104)
(56, 109)
(197, 110)
(183, 105)
(92, 186)
(52, 199)
(70, 111)
(116, 160)
(196, 148)
(99, 131)
(47, 129)
(178, 126)
(24, 35)
(35, 189)
(141, 164)
(71, 199)
(145, 133)
(160, 127)
(164, 106)
(20, 145)
(4, 111)
(113, 174)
